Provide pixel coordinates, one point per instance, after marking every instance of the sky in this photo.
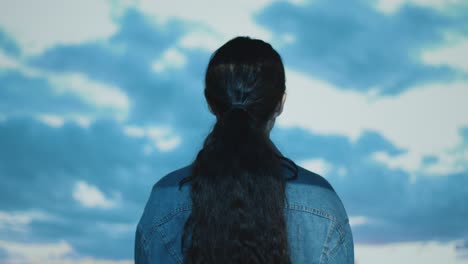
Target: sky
(100, 99)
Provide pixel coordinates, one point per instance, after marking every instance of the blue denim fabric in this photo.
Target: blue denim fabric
(317, 223)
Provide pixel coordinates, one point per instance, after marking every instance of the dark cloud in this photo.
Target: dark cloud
(8, 45)
(354, 46)
(25, 95)
(429, 159)
(336, 148)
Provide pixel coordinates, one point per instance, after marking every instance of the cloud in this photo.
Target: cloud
(8, 45)
(18, 252)
(18, 221)
(127, 61)
(91, 197)
(163, 137)
(410, 252)
(215, 20)
(171, 58)
(319, 166)
(450, 55)
(391, 6)
(53, 253)
(358, 220)
(356, 47)
(55, 22)
(52, 97)
(24, 95)
(421, 121)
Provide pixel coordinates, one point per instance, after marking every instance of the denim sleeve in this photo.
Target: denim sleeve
(140, 254)
(341, 247)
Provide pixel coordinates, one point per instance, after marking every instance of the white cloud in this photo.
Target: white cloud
(358, 220)
(298, 2)
(107, 99)
(19, 221)
(200, 39)
(57, 121)
(454, 55)
(32, 252)
(38, 25)
(103, 96)
(319, 166)
(51, 120)
(134, 131)
(60, 252)
(409, 253)
(162, 137)
(449, 162)
(168, 144)
(424, 120)
(323, 167)
(225, 19)
(82, 120)
(172, 58)
(391, 6)
(90, 196)
(6, 62)
(116, 230)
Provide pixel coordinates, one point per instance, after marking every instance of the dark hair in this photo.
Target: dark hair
(237, 179)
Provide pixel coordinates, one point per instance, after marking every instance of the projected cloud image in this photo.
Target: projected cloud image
(99, 100)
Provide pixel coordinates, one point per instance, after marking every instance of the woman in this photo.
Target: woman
(240, 200)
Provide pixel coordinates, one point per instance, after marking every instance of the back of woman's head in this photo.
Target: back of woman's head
(246, 71)
(237, 179)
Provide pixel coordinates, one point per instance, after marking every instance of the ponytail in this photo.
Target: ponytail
(238, 195)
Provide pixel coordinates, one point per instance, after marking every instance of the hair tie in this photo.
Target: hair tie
(241, 106)
(238, 105)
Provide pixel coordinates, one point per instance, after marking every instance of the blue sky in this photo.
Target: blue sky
(98, 100)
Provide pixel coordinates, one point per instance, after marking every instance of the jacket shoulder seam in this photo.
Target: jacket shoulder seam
(166, 218)
(312, 210)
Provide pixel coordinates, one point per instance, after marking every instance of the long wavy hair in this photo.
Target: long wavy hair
(237, 178)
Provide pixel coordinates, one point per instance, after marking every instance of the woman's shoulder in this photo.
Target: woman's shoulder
(166, 199)
(313, 204)
(312, 193)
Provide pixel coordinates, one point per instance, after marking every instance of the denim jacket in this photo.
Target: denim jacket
(317, 223)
